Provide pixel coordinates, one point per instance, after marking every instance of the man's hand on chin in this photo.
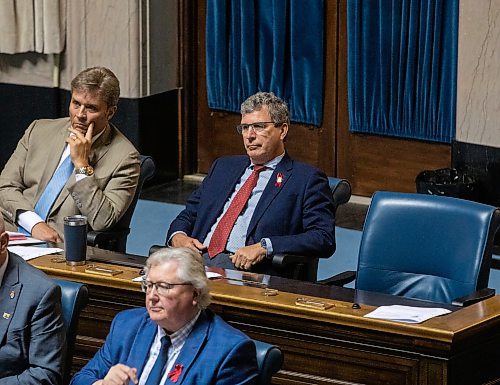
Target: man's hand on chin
(46, 233)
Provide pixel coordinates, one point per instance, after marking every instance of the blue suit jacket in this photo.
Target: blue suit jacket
(32, 337)
(214, 352)
(297, 216)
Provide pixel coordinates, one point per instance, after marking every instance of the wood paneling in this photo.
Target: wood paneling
(216, 134)
(369, 162)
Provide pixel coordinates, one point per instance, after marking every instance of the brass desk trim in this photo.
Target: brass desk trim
(433, 342)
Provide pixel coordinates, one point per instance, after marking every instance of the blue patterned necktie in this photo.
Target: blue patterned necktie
(52, 189)
(157, 372)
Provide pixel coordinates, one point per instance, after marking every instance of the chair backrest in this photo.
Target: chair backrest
(269, 361)
(341, 191)
(115, 238)
(147, 171)
(427, 247)
(74, 297)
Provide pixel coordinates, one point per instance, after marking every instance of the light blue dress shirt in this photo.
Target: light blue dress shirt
(238, 234)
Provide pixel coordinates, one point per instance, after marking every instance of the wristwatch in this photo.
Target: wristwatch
(86, 170)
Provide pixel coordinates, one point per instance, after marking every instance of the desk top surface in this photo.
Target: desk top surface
(252, 291)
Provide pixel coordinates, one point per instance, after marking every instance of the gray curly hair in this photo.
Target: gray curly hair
(278, 110)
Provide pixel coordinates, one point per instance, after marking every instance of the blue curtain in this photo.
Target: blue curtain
(402, 64)
(266, 45)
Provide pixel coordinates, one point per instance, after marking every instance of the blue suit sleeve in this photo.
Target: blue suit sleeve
(187, 218)
(317, 237)
(97, 368)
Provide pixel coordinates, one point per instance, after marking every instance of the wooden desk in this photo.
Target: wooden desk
(334, 346)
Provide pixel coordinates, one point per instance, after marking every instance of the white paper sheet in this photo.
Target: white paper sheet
(30, 252)
(26, 241)
(408, 314)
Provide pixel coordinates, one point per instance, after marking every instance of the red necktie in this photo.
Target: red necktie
(221, 233)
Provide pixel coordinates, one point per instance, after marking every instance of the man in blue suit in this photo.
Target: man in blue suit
(32, 338)
(290, 209)
(175, 339)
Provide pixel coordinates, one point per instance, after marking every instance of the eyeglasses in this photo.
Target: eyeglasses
(162, 288)
(257, 127)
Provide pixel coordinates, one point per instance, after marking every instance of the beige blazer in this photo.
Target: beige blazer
(102, 197)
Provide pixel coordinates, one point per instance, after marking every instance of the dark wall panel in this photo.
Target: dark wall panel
(483, 163)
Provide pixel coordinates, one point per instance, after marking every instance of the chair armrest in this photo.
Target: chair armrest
(281, 261)
(97, 237)
(340, 279)
(154, 248)
(474, 297)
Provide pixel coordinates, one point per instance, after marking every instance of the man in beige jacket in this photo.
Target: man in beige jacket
(100, 166)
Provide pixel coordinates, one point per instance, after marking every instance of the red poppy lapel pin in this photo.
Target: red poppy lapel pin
(279, 179)
(176, 372)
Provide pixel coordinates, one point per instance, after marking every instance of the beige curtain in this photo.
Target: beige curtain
(32, 26)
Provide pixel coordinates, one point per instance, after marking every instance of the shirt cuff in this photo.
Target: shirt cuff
(173, 235)
(28, 219)
(79, 177)
(269, 247)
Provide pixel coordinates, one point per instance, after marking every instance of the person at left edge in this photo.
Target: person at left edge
(32, 337)
(104, 170)
(203, 349)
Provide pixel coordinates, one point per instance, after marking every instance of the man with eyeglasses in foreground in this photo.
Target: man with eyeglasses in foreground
(175, 339)
(287, 209)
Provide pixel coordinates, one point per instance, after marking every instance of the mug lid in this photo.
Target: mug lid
(75, 220)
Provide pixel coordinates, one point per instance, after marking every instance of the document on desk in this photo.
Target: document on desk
(21, 239)
(408, 314)
(30, 252)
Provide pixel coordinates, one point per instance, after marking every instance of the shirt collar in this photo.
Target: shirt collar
(94, 138)
(272, 163)
(179, 337)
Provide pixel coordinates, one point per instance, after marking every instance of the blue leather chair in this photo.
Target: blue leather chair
(115, 239)
(269, 361)
(426, 247)
(74, 297)
(306, 268)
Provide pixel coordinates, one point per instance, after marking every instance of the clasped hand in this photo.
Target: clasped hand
(244, 258)
(247, 256)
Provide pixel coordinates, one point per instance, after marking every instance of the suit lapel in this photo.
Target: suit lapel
(285, 168)
(141, 346)
(9, 295)
(101, 145)
(56, 147)
(192, 347)
(225, 187)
